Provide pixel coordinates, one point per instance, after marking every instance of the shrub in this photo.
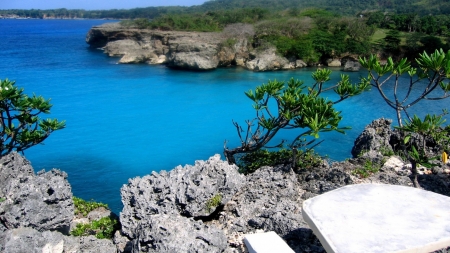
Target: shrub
(214, 202)
(83, 207)
(103, 228)
(20, 125)
(367, 170)
(292, 106)
(250, 162)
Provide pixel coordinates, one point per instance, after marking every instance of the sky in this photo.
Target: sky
(92, 4)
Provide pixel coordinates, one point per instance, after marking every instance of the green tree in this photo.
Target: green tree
(434, 70)
(297, 107)
(20, 125)
(392, 41)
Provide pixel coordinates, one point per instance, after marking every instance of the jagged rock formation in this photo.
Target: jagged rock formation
(22, 240)
(37, 210)
(375, 138)
(42, 201)
(187, 50)
(164, 205)
(206, 207)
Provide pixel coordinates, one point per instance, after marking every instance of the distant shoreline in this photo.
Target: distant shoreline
(52, 18)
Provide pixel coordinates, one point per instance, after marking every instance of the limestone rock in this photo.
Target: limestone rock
(21, 240)
(123, 244)
(42, 201)
(268, 60)
(375, 137)
(300, 64)
(352, 66)
(269, 201)
(174, 233)
(182, 191)
(334, 63)
(13, 166)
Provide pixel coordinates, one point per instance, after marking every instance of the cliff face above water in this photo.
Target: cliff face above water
(205, 207)
(187, 50)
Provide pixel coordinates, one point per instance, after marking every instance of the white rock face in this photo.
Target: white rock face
(334, 63)
(379, 218)
(268, 60)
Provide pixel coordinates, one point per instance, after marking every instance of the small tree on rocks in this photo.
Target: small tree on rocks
(296, 107)
(422, 83)
(20, 125)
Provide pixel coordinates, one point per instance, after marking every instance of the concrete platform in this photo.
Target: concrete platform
(268, 242)
(379, 218)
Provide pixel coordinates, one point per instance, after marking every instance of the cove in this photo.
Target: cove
(125, 121)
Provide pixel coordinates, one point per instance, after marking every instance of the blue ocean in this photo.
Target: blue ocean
(125, 121)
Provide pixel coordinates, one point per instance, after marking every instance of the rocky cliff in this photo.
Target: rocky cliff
(189, 50)
(205, 207)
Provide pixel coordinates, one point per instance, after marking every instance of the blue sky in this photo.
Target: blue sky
(92, 4)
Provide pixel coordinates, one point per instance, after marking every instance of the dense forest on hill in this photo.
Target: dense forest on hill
(343, 7)
(297, 28)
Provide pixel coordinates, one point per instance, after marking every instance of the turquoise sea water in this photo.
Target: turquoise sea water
(125, 121)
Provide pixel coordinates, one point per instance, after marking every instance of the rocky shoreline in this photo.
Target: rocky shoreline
(205, 207)
(196, 50)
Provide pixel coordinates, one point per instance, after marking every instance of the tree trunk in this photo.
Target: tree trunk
(229, 155)
(414, 174)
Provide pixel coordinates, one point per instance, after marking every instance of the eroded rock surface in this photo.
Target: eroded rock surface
(179, 195)
(42, 201)
(375, 138)
(22, 240)
(188, 50)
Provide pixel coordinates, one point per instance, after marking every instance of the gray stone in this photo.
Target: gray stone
(300, 64)
(174, 233)
(184, 191)
(333, 63)
(13, 166)
(269, 201)
(268, 60)
(21, 240)
(43, 202)
(379, 218)
(352, 66)
(375, 137)
(123, 244)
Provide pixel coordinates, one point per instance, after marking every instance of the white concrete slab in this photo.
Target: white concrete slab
(268, 242)
(379, 218)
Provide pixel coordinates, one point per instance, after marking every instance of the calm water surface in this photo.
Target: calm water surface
(125, 121)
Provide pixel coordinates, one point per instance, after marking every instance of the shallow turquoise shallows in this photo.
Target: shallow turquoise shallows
(125, 121)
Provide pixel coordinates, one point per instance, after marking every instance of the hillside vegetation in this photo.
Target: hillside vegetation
(343, 7)
(315, 35)
(298, 28)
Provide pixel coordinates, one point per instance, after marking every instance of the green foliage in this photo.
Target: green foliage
(250, 162)
(367, 170)
(297, 106)
(210, 21)
(229, 42)
(392, 41)
(83, 207)
(103, 228)
(386, 151)
(20, 125)
(2, 199)
(213, 202)
(140, 23)
(435, 70)
(431, 127)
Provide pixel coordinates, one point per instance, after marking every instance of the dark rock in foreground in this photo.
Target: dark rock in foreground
(164, 205)
(37, 210)
(206, 207)
(22, 240)
(43, 201)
